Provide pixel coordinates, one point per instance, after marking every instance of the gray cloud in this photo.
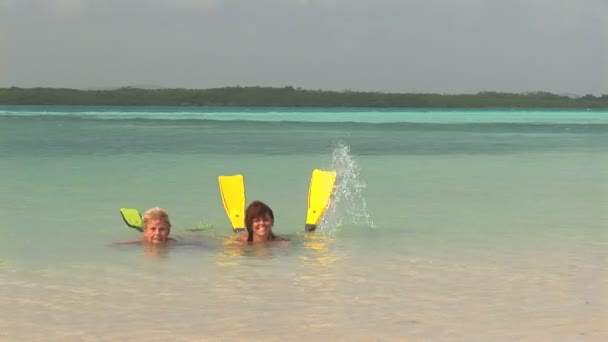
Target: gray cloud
(440, 46)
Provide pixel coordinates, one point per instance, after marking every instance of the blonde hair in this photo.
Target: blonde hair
(155, 213)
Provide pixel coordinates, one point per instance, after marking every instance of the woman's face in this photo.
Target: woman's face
(262, 226)
(156, 231)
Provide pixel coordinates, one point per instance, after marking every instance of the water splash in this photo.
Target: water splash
(348, 204)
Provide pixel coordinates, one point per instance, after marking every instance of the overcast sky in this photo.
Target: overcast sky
(439, 46)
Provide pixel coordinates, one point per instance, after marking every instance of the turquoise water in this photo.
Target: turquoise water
(446, 225)
(319, 115)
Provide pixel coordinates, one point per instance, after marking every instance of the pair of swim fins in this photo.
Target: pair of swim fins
(232, 191)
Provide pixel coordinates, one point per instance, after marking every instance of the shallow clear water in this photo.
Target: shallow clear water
(449, 225)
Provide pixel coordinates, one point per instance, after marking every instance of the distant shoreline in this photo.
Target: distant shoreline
(292, 97)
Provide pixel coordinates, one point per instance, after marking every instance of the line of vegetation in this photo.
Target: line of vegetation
(290, 97)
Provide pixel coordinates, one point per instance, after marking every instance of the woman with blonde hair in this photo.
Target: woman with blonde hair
(156, 225)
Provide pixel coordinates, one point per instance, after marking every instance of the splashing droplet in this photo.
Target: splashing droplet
(348, 204)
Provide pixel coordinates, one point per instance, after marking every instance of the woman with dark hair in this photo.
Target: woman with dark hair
(259, 220)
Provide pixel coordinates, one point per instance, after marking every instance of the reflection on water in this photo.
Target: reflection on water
(151, 251)
(233, 250)
(156, 251)
(260, 251)
(229, 253)
(318, 249)
(317, 269)
(160, 251)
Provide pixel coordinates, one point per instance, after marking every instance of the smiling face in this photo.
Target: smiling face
(259, 220)
(261, 227)
(157, 231)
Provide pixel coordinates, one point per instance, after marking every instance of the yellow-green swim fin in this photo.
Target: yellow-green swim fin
(319, 192)
(232, 191)
(132, 218)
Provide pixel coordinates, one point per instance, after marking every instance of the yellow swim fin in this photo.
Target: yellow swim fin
(132, 218)
(319, 192)
(232, 190)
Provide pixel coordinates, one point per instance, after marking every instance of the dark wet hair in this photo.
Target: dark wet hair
(255, 210)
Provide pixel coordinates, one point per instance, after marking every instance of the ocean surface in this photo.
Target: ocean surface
(446, 225)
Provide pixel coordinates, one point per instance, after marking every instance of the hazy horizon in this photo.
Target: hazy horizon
(409, 46)
(154, 87)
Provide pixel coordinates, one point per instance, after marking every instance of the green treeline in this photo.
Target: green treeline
(288, 97)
